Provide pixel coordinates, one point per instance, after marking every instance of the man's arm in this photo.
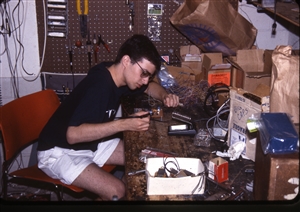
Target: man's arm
(158, 92)
(90, 132)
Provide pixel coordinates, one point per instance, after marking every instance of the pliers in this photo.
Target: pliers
(100, 41)
(83, 17)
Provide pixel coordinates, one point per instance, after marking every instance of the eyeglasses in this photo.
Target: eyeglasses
(144, 73)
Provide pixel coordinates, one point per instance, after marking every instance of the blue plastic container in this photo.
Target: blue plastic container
(278, 133)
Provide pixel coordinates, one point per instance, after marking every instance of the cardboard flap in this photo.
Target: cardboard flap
(234, 64)
(251, 60)
(210, 59)
(262, 90)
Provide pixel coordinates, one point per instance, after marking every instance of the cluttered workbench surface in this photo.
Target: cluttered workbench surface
(238, 186)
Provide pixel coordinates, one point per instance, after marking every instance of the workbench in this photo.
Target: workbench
(183, 146)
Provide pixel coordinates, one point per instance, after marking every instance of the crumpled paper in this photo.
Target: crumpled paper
(294, 181)
(234, 151)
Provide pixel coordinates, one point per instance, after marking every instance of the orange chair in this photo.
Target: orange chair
(21, 122)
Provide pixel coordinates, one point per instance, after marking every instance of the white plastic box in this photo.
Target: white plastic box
(186, 185)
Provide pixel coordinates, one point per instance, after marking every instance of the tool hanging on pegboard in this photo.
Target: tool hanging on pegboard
(70, 52)
(83, 16)
(111, 19)
(89, 49)
(95, 49)
(100, 41)
(131, 14)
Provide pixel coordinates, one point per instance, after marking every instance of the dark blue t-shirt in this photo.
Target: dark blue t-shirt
(95, 99)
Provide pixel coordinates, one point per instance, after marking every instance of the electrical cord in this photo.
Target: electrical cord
(217, 120)
(44, 44)
(172, 162)
(177, 169)
(201, 181)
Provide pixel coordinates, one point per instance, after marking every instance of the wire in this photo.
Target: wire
(6, 17)
(201, 180)
(189, 93)
(274, 25)
(172, 162)
(217, 120)
(44, 44)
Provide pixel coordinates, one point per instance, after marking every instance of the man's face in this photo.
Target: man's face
(140, 73)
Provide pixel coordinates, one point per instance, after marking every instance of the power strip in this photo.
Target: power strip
(219, 132)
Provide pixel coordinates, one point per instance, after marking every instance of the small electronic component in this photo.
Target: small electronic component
(252, 97)
(182, 129)
(181, 173)
(188, 173)
(161, 173)
(175, 173)
(154, 112)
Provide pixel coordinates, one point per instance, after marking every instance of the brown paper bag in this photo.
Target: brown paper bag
(284, 95)
(214, 26)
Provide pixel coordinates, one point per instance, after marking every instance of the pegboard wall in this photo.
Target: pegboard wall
(111, 20)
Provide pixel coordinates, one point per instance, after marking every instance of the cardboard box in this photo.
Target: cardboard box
(241, 108)
(211, 68)
(189, 53)
(218, 169)
(181, 74)
(191, 60)
(251, 67)
(173, 186)
(272, 175)
(214, 70)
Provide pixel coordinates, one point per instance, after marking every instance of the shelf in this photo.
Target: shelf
(287, 11)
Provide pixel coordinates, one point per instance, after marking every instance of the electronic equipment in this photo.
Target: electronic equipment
(216, 95)
(182, 129)
(154, 112)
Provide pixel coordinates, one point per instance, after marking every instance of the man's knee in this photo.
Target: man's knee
(117, 191)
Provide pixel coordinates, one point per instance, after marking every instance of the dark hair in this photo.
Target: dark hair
(137, 47)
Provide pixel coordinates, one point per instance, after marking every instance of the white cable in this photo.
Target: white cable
(224, 108)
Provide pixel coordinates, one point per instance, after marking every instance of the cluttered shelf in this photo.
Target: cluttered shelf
(286, 10)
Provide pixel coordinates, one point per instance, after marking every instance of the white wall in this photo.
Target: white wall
(22, 62)
(285, 35)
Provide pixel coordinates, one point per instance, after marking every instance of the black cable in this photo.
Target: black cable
(274, 25)
(166, 163)
(19, 38)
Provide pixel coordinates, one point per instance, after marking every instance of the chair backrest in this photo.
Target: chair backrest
(22, 120)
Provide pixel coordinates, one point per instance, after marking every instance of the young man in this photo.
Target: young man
(80, 137)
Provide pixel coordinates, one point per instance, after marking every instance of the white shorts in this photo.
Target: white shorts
(67, 164)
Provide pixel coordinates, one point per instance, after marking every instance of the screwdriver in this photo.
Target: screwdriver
(88, 45)
(71, 56)
(96, 49)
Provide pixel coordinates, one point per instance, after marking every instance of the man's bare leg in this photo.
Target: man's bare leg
(98, 181)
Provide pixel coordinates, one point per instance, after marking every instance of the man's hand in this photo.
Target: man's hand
(135, 123)
(171, 100)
